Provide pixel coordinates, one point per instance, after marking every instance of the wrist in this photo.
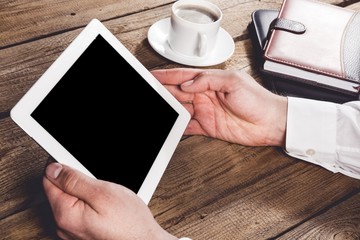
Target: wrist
(277, 131)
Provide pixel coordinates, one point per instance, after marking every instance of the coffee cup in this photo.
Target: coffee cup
(194, 27)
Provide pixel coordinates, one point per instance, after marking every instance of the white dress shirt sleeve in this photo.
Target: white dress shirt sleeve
(325, 133)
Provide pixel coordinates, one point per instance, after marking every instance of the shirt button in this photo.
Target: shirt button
(310, 152)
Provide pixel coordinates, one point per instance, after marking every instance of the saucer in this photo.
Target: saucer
(158, 39)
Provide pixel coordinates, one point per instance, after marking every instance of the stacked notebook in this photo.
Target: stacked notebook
(309, 49)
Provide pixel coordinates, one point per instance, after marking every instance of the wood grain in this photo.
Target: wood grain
(211, 189)
(246, 193)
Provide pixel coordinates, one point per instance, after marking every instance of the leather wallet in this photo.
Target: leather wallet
(260, 32)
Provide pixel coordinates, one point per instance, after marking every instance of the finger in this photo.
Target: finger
(56, 195)
(215, 80)
(70, 181)
(181, 96)
(62, 205)
(194, 128)
(52, 191)
(176, 76)
(190, 108)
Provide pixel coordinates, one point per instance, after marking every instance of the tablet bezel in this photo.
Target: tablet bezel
(21, 112)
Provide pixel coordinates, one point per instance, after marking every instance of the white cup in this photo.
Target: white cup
(194, 27)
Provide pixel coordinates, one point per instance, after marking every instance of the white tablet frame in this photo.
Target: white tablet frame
(21, 112)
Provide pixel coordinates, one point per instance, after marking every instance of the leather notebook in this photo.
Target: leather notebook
(316, 43)
(262, 29)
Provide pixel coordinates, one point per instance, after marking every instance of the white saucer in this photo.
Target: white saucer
(158, 35)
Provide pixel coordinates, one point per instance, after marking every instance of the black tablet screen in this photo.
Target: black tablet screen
(107, 116)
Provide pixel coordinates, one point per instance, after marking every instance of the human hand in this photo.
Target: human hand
(87, 208)
(228, 105)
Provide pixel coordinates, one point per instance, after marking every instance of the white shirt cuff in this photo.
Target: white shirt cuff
(311, 131)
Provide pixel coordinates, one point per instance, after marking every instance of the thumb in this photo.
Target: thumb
(70, 181)
(213, 80)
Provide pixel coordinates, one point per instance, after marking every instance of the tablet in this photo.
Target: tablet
(99, 110)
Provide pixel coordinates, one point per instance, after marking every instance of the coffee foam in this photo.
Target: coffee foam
(196, 15)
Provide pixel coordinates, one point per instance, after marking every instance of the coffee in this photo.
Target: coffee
(196, 15)
(194, 27)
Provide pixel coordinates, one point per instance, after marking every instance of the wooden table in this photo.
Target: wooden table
(211, 189)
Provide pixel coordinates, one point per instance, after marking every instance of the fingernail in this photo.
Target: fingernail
(53, 170)
(188, 83)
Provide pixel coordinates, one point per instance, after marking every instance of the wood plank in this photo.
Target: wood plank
(237, 192)
(339, 222)
(22, 20)
(33, 223)
(21, 169)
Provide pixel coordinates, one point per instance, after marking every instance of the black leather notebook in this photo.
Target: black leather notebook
(259, 32)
